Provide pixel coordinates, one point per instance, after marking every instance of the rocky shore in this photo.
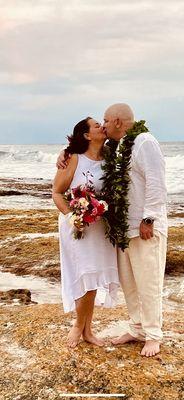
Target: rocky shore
(34, 359)
(29, 244)
(37, 365)
(18, 187)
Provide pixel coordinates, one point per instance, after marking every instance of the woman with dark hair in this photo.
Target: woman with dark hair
(88, 265)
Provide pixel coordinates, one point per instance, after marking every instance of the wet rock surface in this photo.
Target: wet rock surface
(21, 296)
(29, 244)
(175, 253)
(17, 187)
(36, 363)
(34, 359)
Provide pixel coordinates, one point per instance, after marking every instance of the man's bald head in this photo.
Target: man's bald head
(117, 119)
(122, 111)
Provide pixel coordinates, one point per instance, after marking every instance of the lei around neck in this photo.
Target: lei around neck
(116, 181)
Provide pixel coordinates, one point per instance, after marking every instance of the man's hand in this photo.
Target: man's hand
(61, 161)
(146, 231)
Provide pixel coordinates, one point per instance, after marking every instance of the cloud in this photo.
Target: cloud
(55, 54)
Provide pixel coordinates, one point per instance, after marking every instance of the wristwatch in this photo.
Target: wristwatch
(148, 220)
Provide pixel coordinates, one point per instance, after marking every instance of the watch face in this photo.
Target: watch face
(148, 221)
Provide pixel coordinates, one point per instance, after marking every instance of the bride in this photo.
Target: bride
(89, 265)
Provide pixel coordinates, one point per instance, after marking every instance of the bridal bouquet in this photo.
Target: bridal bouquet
(86, 207)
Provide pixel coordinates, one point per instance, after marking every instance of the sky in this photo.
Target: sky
(63, 60)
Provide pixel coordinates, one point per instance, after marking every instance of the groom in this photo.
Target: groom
(142, 264)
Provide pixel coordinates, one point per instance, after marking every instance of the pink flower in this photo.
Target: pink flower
(99, 206)
(73, 203)
(94, 211)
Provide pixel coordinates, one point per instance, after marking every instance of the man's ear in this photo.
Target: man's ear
(117, 123)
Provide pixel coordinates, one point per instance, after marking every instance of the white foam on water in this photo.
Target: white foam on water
(25, 203)
(174, 174)
(22, 216)
(42, 290)
(24, 161)
(36, 163)
(29, 236)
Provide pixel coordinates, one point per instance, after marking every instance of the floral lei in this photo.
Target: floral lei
(116, 181)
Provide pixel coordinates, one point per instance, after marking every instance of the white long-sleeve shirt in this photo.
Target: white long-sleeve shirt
(147, 193)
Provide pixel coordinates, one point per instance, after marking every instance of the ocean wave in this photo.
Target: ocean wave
(174, 174)
(175, 162)
(47, 157)
(4, 154)
(40, 162)
(28, 156)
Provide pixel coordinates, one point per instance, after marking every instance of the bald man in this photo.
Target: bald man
(142, 264)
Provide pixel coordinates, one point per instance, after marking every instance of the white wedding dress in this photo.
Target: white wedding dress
(89, 263)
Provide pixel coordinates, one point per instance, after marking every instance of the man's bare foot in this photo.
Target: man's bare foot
(124, 339)
(90, 338)
(151, 348)
(74, 336)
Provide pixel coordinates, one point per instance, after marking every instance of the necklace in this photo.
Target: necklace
(116, 181)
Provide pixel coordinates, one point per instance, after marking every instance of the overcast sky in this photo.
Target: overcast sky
(62, 60)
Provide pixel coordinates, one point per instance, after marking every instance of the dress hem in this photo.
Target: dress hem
(106, 292)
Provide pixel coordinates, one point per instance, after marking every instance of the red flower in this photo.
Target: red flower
(77, 192)
(83, 192)
(100, 209)
(88, 218)
(94, 202)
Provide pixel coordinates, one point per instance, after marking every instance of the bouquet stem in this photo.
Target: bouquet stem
(78, 234)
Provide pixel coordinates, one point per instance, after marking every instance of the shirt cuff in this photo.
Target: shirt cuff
(149, 214)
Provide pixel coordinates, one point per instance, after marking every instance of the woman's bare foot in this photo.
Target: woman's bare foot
(74, 336)
(151, 348)
(124, 339)
(90, 338)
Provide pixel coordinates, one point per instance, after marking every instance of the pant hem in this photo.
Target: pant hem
(155, 339)
(137, 336)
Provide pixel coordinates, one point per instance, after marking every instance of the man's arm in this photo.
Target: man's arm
(152, 165)
(62, 161)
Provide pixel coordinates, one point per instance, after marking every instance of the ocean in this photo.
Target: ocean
(26, 174)
(27, 171)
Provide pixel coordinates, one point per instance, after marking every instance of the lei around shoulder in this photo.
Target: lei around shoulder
(116, 181)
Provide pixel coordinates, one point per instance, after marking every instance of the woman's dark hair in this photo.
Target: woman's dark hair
(77, 142)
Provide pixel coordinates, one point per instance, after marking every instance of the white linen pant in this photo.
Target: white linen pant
(141, 272)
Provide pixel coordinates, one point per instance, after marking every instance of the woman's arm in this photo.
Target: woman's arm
(62, 182)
